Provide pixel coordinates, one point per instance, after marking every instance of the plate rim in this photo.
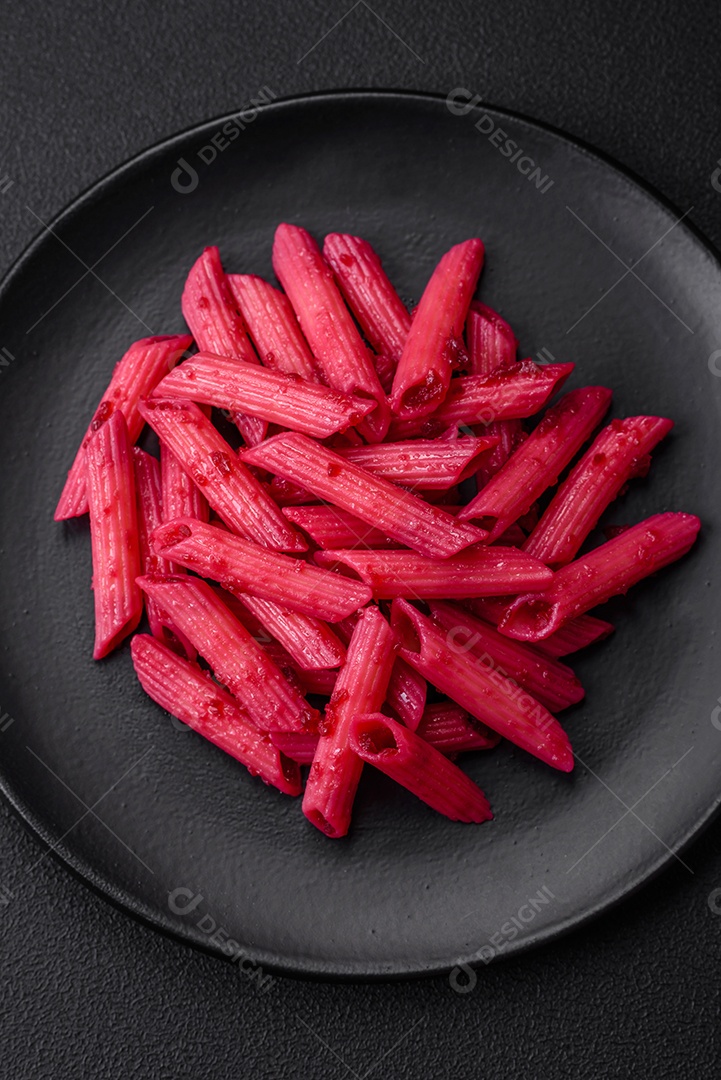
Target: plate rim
(300, 966)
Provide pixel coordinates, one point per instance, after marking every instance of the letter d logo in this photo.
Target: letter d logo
(462, 979)
(183, 901)
(716, 177)
(716, 716)
(184, 179)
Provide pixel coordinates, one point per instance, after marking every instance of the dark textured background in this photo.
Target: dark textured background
(87, 992)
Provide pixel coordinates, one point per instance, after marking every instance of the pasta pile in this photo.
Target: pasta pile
(333, 556)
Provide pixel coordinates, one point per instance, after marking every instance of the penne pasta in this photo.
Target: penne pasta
(549, 681)
(361, 687)
(310, 642)
(188, 693)
(341, 554)
(331, 527)
(451, 730)
(136, 375)
(241, 566)
(419, 767)
(435, 340)
(606, 571)
(148, 488)
(180, 494)
(217, 326)
(479, 571)
(299, 747)
(490, 698)
(609, 463)
(491, 342)
(114, 536)
(237, 660)
(423, 465)
(577, 633)
(537, 463)
(406, 693)
(214, 467)
(492, 346)
(385, 370)
(327, 324)
(405, 517)
(277, 397)
(510, 393)
(272, 325)
(381, 314)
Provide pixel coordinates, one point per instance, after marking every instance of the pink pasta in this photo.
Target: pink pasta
(490, 571)
(331, 527)
(327, 323)
(381, 313)
(217, 326)
(418, 766)
(296, 745)
(114, 534)
(510, 393)
(241, 566)
(452, 730)
(136, 375)
(549, 681)
(577, 633)
(273, 327)
(393, 566)
(406, 694)
(435, 339)
(404, 516)
(361, 687)
(491, 342)
(606, 571)
(148, 486)
(309, 641)
(615, 455)
(491, 698)
(236, 658)
(215, 470)
(188, 692)
(492, 347)
(181, 495)
(537, 463)
(276, 396)
(423, 465)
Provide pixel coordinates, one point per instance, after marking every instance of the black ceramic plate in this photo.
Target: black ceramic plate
(587, 266)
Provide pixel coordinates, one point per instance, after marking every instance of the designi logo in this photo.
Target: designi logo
(185, 177)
